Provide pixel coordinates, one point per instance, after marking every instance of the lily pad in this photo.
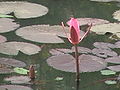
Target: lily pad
(11, 25)
(12, 48)
(18, 79)
(14, 87)
(55, 52)
(104, 28)
(5, 70)
(109, 82)
(23, 9)
(66, 62)
(94, 21)
(114, 68)
(104, 52)
(21, 70)
(5, 16)
(115, 60)
(59, 78)
(103, 45)
(12, 62)
(60, 51)
(107, 72)
(2, 39)
(82, 50)
(117, 44)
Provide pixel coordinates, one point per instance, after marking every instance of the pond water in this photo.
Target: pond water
(47, 77)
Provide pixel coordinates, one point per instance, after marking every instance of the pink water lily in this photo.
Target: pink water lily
(74, 36)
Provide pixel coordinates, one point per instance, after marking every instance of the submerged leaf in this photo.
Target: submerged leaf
(14, 87)
(21, 70)
(66, 62)
(23, 9)
(107, 72)
(18, 79)
(11, 25)
(109, 82)
(94, 21)
(12, 48)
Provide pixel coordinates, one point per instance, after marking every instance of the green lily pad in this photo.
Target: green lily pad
(21, 70)
(107, 72)
(109, 82)
(5, 16)
(59, 78)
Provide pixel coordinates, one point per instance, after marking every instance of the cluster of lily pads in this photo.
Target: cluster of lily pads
(61, 59)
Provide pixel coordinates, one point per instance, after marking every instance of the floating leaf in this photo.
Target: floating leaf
(21, 70)
(18, 79)
(23, 9)
(55, 52)
(14, 87)
(12, 48)
(59, 78)
(12, 62)
(114, 68)
(109, 82)
(104, 28)
(5, 16)
(94, 21)
(5, 70)
(117, 44)
(66, 62)
(107, 72)
(2, 39)
(115, 60)
(82, 50)
(103, 45)
(103, 52)
(11, 25)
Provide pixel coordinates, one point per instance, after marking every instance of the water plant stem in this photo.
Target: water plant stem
(77, 63)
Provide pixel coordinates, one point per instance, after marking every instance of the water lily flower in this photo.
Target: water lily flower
(74, 36)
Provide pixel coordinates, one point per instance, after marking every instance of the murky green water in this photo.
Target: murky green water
(62, 10)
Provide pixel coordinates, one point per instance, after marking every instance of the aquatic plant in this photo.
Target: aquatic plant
(75, 38)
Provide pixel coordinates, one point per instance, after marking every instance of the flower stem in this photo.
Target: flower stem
(77, 63)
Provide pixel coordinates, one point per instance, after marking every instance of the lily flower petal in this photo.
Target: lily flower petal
(74, 37)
